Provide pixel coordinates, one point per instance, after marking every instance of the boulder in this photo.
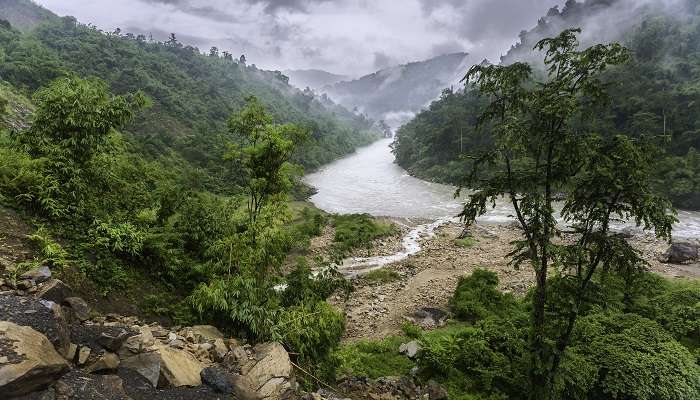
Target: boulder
(107, 362)
(429, 318)
(207, 333)
(113, 343)
(178, 368)
(218, 379)
(410, 349)
(271, 373)
(220, 350)
(143, 341)
(681, 253)
(54, 290)
(83, 355)
(33, 361)
(78, 308)
(37, 275)
(78, 385)
(146, 364)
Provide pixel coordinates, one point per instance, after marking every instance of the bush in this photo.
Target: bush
(485, 358)
(678, 310)
(313, 332)
(373, 359)
(354, 231)
(627, 356)
(477, 296)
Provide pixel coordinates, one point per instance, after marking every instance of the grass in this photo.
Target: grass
(354, 231)
(466, 243)
(382, 276)
(374, 359)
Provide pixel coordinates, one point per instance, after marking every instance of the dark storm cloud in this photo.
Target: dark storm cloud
(351, 37)
(273, 6)
(207, 12)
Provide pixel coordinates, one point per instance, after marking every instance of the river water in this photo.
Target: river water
(369, 182)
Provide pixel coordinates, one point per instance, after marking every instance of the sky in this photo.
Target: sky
(351, 37)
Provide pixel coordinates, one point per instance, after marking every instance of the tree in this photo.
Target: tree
(214, 52)
(75, 116)
(265, 154)
(541, 152)
(242, 60)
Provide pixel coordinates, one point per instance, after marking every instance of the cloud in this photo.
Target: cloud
(351, 37)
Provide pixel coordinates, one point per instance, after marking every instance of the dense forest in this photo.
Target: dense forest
(162, 180)
(655, 93)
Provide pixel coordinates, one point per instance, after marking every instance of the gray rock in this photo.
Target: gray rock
(107, 362)
(681, 253)
(218, 379)
(410, 349)
(435, 391)
(78, 308)
(146, 364)
(37, 275)
(54, 290)
(113, 343)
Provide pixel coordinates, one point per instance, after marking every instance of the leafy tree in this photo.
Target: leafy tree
(265, 155)
(77, 116)
(540, 153)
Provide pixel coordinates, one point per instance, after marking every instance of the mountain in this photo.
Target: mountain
(193, 94)
(396, 93)
(313, 78)
(24, 14)
(655, 93)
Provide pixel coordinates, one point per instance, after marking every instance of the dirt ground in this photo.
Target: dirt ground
(428, 278)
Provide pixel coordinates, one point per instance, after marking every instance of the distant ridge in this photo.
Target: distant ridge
(403, 89)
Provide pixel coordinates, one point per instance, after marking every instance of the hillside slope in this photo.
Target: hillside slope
(397, 92)
(193, 94)
(656, 93)
(313, 78)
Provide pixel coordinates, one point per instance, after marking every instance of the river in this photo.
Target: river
(369, 181)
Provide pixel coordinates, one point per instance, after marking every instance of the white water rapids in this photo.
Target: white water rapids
(369, 182)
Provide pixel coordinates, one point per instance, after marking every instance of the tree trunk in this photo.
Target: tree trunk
(539, 354)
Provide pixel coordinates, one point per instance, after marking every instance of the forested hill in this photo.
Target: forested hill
(404, 89)
(657, 92)
(193, 94)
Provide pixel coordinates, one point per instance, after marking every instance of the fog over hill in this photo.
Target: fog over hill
(395, 94)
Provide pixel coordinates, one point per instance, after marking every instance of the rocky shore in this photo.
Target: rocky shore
(427, 279)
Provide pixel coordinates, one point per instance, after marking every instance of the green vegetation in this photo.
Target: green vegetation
(354, 231)
(539, 150)
(373, 359)
(381, 276)
(619, 347)
(466, 242)
(654, 94)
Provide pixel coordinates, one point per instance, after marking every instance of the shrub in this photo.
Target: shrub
(358, 231)
(51, 253)
(477, 296)
(678, 310)
(373, 359)
(627, 356)
(486, 358)
(312, 332)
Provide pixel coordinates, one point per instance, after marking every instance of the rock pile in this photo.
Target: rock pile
(53, 346)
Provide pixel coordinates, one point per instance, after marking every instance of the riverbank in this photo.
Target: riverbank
(378, 307)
